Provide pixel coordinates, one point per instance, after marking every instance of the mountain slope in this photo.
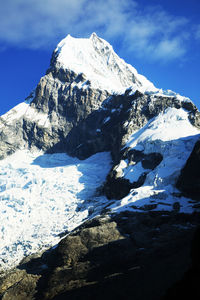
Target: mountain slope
(149, 133)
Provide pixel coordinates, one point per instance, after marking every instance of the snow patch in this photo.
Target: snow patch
(169, 125)
(106, 120)
(133, 172)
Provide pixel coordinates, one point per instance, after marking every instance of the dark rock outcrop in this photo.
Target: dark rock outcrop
(189, 179)
(117, 187)
(57, 106)
(188, 286)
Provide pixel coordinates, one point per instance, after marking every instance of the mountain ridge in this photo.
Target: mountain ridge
(63, 98)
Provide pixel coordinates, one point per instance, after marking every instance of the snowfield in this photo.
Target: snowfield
(42, 196)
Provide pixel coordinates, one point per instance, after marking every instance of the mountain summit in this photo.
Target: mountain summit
(95, 58)
(105, 70)
(94, 137)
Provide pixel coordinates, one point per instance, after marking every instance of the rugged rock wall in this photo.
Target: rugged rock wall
(57, 107)
(66, 114)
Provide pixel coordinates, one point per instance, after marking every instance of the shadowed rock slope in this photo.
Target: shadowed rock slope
(189, 179)
(120, 257)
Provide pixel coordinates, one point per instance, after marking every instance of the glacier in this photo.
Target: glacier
(44, 195)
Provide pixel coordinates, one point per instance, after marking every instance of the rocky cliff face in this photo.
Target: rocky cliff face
(55, 109)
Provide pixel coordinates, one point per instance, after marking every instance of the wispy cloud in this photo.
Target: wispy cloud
(147, 32)
(156, 34)
(197, 32)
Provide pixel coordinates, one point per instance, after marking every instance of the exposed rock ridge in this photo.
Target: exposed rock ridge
(58, 105)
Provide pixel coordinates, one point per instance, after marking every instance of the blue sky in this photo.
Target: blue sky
(160, 38)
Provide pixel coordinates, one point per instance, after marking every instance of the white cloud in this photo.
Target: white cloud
(147, 32)
(158, 35)
(169, 49)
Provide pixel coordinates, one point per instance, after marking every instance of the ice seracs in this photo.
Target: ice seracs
(172, 124)
(42, 196)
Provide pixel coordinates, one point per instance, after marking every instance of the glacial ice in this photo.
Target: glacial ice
(44, 195)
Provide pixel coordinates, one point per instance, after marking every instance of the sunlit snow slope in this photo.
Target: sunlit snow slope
(172, 135)
(42, 196)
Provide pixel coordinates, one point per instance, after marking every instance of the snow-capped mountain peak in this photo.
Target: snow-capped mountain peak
(96, 59)
(44, 192)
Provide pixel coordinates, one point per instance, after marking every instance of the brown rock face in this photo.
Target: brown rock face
(18, 285)
(112, 257)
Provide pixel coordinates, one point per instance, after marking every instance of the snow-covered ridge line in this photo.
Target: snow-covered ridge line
(24, 110)
(96, 59)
